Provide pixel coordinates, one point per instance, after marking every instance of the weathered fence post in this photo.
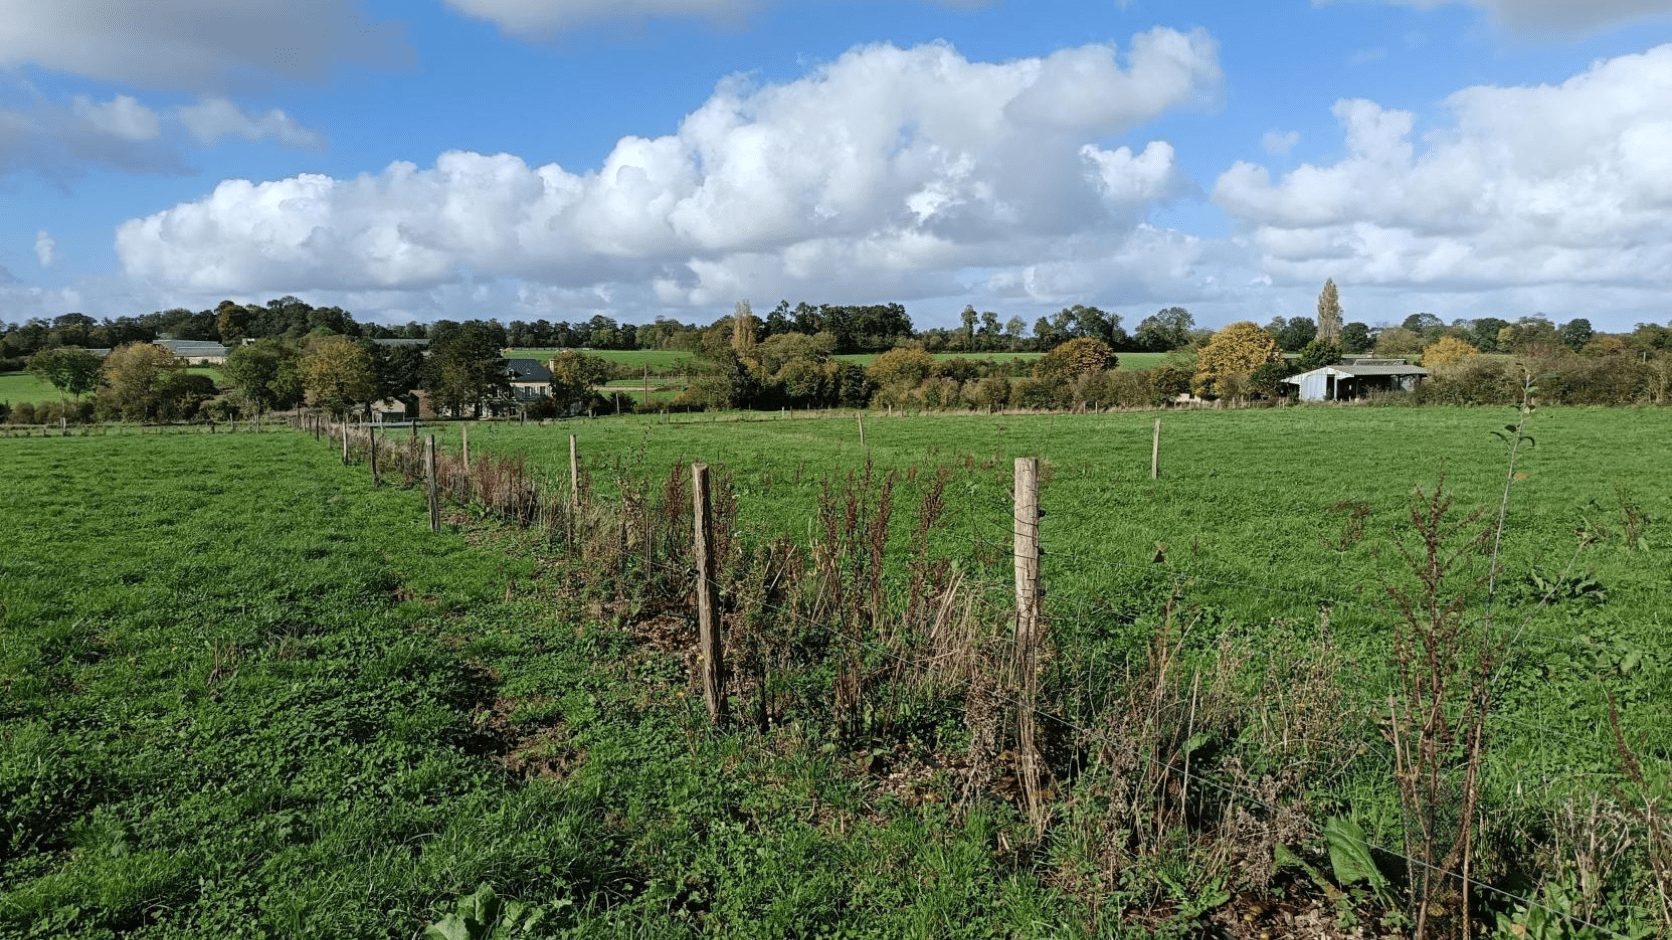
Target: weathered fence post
(709, 656)
(371, 443)
(862, 429)
(574, 477)
(1026, 529)
(464, 441)
(647, 386)
(345, 441)
(1155, 453)
(429, 473)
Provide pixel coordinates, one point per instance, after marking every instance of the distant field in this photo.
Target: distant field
(866, 359)
(668, 359)
(663, 359)
(17, 388)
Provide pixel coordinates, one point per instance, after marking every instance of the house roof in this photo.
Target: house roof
(527, 370)
(1360, 370)
(421, 343)
(192, 347)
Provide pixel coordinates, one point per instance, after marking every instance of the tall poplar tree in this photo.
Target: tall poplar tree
(1329, 314)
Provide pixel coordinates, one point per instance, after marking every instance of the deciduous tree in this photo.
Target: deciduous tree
(1329, 314)
(1447, 350)
(1231, 356)
(132, 375)
(908, 367)
(337, 374)
(70, 369)
(1316, 355)
(1077, 357)
(466, 369)
(267, 374)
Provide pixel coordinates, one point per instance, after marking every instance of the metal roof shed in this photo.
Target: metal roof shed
(1356, 379)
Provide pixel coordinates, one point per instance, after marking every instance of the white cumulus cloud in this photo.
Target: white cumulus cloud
(1535, 185)
(888, 167)
(46, 249)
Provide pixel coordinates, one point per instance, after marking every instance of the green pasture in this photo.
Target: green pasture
(1252, 522)
(666, 360)
(19, 387)
(244, 694)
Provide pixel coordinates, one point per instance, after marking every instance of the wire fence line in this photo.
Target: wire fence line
(1180, 579)
(1091, 734)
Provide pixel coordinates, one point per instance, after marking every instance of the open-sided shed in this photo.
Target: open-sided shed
(1357, 379)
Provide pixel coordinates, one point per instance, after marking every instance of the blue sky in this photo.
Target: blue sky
(557, 159)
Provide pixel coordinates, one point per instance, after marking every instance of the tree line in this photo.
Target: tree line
(287, 352)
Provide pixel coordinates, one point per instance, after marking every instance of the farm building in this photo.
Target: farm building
(1356, 379)
(195, 352)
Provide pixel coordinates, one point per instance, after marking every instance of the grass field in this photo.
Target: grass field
(1250, 518)
(19, 387)
(246, 695)
(666, 360)
(269, 702)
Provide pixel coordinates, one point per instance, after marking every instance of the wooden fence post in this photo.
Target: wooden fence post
(709, 655)
(862, 429)
(464, 440)
(345, 441)
(1026, 529)
(574, 477)
(1155, 453)
(429, 473)
(371, 442)
(647, 386)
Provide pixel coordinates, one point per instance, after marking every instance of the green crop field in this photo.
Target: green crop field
(19, 387)
(242, 693)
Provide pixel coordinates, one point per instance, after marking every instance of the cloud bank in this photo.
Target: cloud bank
(908, 170)
(1536, 185)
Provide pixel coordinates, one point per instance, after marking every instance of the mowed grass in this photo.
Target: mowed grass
(17, 388)
(244, 694)
(1252, 525)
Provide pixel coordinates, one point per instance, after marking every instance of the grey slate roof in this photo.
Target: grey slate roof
(527, 370)
(192, 347)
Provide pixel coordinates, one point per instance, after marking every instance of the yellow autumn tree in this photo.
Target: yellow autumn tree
(1077, 357)
(338, 373)
(1447, 350)
(1231, 356)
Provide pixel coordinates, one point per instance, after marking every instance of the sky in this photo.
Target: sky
(559, 159)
